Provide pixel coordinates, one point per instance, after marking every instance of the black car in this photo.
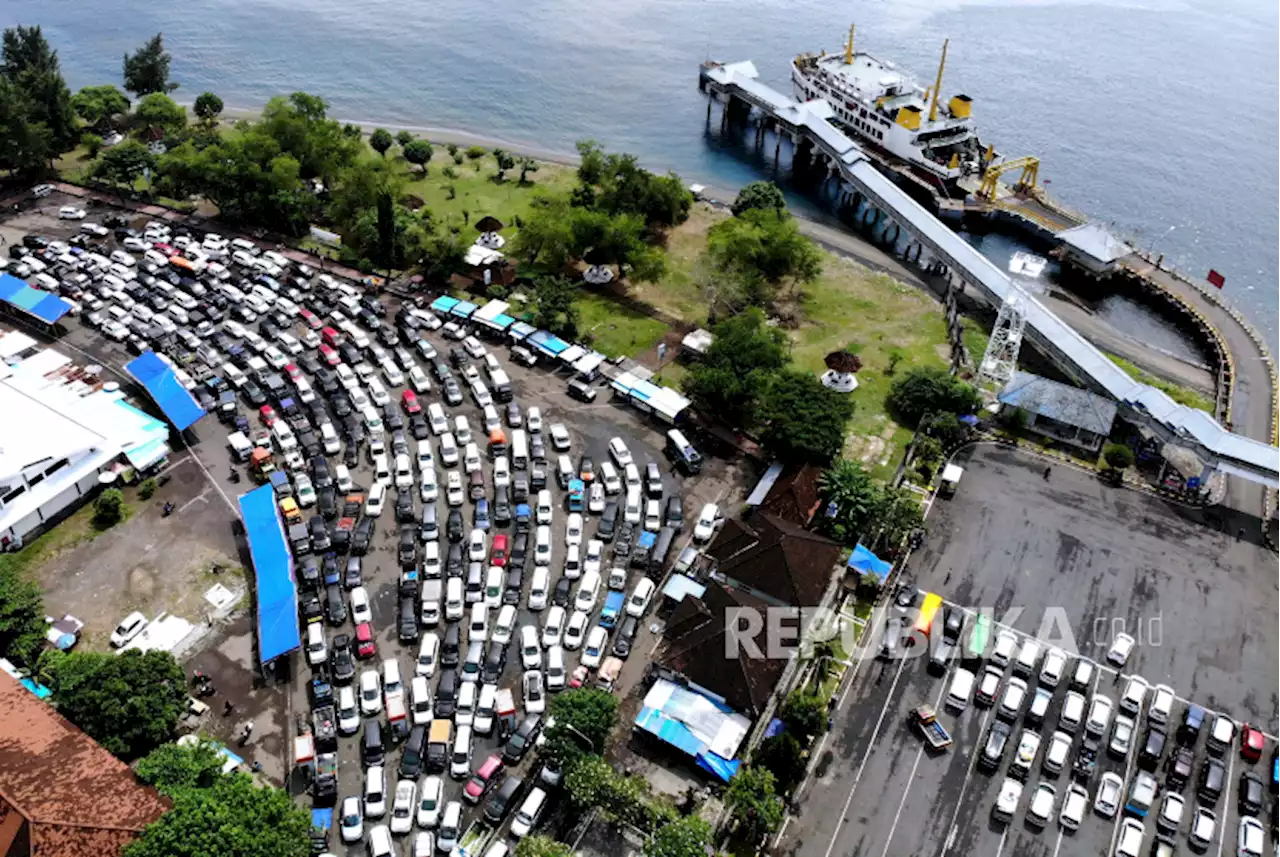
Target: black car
(350, 354)
(320, 473)
(418, 427)
(407, 620)
(608, 522)
(309, 574)
(521, 740)
(452, 392)
(515, 581)
(1249, 799)
(341, 406)
(454, 564)
(626, 636)
(519, 490)
(320, 541)
(253, 394)
(430, 529)
(341, 660)
(455, 528)
(560, 595)
(501, 508)
(674, 517)
(451, 646)
(622, 542)
(519, 550)
(1178, 769)
(495, 661)
(335, 605)
(404, 508)
(1152, 748)
(993, 746)
(307, 363)
(354, 574)
(327, 381)
(311, 608)
(1213, 776)
(581, 390)
(537, 449)
(327, 502)
(363, 536)
(407, 549)
(538, 478)
(391, 418)
(446, 694)
(441, 370)
(458, 357)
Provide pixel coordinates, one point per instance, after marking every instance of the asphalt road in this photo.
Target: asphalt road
(1201, 605)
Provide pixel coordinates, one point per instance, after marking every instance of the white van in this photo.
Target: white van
(392, 373)
(317, 647)
(519, 449)
(544, 510)
(306, 394)
(530, 811)
(478, 627)
(240, 446)
(450, 827)
(486, 703)
(372, 421)
(448, 450)
(555, 669)
(460, 760)
(245, 245)
(542, 546)
(420, 700)
(465, 714)
(538, 588)
(960, 691)
(454, 600)
(588, 592)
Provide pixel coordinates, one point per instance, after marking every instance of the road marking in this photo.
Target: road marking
(1004, 834)
(1057, 846)
(919, 755)
(968, 775)
(1222, 827)
(857, 777)
(199, 498)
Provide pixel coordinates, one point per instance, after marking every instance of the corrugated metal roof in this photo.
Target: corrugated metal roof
(1069, 405)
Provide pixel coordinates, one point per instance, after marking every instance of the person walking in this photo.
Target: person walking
(227, 708)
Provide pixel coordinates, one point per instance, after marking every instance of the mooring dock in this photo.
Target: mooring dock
(805, 126)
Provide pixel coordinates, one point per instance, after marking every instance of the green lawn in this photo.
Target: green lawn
(613, 329)
(1181, 395)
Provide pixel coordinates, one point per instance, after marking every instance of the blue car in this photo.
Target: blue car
(481, 517)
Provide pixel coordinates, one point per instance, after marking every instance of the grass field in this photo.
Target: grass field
(613, 329)
(1181, 395)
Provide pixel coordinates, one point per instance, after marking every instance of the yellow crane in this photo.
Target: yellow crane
(1026, 182)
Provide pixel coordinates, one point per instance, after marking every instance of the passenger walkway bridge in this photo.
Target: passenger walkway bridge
(1180, 425)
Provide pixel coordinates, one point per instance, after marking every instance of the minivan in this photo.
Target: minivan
(466, 711)
(372, 747)
(503, 799)
(460, 758)
(680, 451)
(530, 811)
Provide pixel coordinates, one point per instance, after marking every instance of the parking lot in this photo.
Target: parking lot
(590, 427)
(1200, 606)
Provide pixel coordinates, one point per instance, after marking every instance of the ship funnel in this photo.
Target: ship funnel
(960, 106)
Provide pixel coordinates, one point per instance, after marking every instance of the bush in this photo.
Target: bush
(93, 143)
(452, 149)
(475, 152)
(1118, 456)
(146, 489)
(930, 390)
(108, 509)
(457, 158)
(450, 173)
(805, 714)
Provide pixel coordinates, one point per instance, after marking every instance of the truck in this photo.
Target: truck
(608, 673)
(321, 821)
(504, 707)
(438, 740)
(643, 548)
(926, 720)
(325, 728)
(613, 603)
(324, 789)
(577, 493)
(475, 839)
(397, 715)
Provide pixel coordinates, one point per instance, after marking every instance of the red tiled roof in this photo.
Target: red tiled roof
(794, 497)
(77, 800)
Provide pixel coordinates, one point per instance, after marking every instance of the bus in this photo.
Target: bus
(979, 637)
(928, 610)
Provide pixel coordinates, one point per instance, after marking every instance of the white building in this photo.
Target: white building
(61, 427)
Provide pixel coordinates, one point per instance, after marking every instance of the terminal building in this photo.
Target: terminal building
(64, 432)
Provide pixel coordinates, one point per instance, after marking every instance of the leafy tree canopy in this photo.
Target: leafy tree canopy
(803, 420)
(848, 486)
(542, 846)
(128, 703)
(782, 756)
(584, 717)
(37, 120)
(21, 615)
(1118, 455)
(555, 310)
(621, 186)
(380, 141)
(689, 836)
(174, 768)
(737, 368)
(417, 152)
(926, 390)
(146, 70)
(208, 106)
(159, 111)
(805, 714)
(404, 138)
(765, 196)
(124, 164)
(759, 253)
(98, 104)
(301, 128)
(755, 802)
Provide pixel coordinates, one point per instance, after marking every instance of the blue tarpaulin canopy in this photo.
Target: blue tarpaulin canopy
(278, 632)
(865, 562)
(463, 309)
(548, 343)
(166, 390)
(697, 725)
(521, 330)
(42, 305)
(444, 303)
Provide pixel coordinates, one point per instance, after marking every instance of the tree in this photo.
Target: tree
(542, 846)
(418, 152)
(124, 164)
(506, 161)
(756, 806)
(583, 720)
(159, 112)
(689, 836)
(546, 240)
(38, 120)
(174, 768)
(898, 514)
(925, 390)
(804, 714)
(380, 141)
(128, 703)
(555, 310)
(22, 624)
(231, 816)
(475, 153)
(589, 782)
(590, 162)
(744, 355)
(92, 143)
(803, 420)
(108, 509)
(848, 487)
(98, 105)
(616, 239)
(783, 757)
(404, 138)
(616, 184)
(208, 107)
(147, 69)
(301, 128)
(443, 256)
(762, 252)
(765, 196)
(944, 427)
(527, 165)
(1118, 456)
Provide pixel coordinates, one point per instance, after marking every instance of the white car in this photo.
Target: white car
(471, 458)
(430, 800)
(619, 452)
(360, 611)
(403, 806)
(559, 437)
(476, 548)
(1099, 715)
(653, 516)
(428, 488)
(706, 526)
(378, 393)
(1074, 806)
(573, 529)
(1249, 841)
(1173, 807)
(1134, 695)
(1121, 736)
(575, 630)
(473, 347)
(130, 627)
(595, 553)
(436, 419)
(428, 655)
(453, 488)
(94, 229)
(370, 693)
(1162, 697)
(404, 472)
(1057, 753)
(597, 639)
(351, 820)
(533, 420)
(501, 473)
(1011, 702)
(1052, 668)
(1129, 840)
(552, 627)
(348, 711)
(1121, 648)
(1107, 800)
(375, 792)
(70, 212)
(342, 477)
(596, 498)
(535, 694)
(1040, 809)
(1007, 800)
(1203, 827)
(639, 600)
(418, 381)
(462, 429)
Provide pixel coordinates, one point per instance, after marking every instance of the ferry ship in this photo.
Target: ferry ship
(885, 109)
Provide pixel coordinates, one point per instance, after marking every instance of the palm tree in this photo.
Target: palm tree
(850, 499)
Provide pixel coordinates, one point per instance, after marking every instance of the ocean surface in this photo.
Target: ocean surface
(1157, 116)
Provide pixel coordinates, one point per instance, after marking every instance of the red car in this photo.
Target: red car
(366, 647)
(498, 554)
(579, 676)
(312, 320)
(410, 401)
(485, 778)
(293, 372)
(1252, 743)
(268, 415)
(161, 247)
(328, 355)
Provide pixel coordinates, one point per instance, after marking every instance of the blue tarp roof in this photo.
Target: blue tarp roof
(678, 735)
(444, 303)
(165, 389)
(502, 321)
(547, 343)
(864, 561)
(45, 306)
(278, 631)
(718, 765)
(521, 330)
(463, 309)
